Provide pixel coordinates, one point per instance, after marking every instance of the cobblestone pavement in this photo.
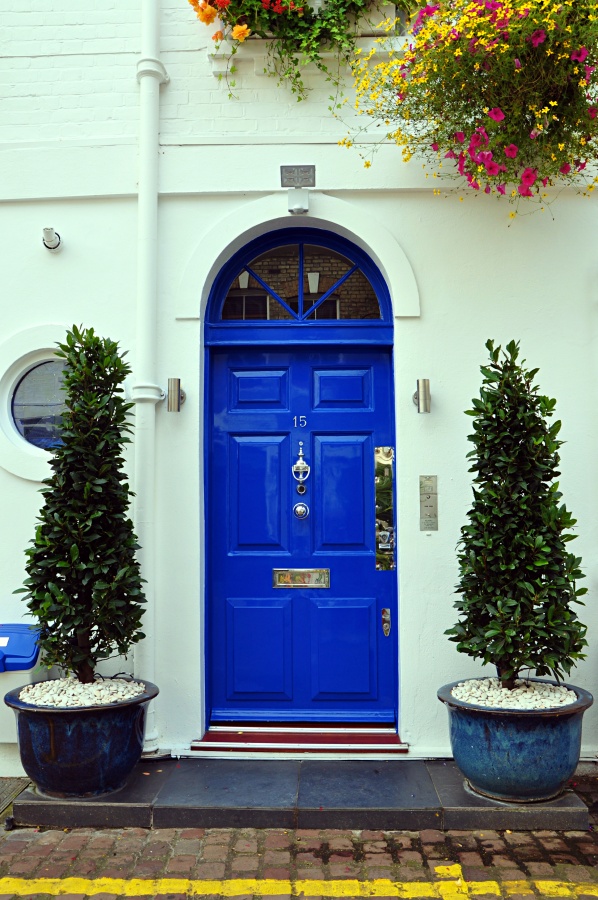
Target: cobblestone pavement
(264, 863)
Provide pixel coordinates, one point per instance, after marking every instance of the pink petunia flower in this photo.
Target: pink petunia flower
(517, 63)
(434, 146)
(580, 166)
(487, 189)
(492, 168)
(450, 155)
(459, 136)
(589, 70)
(579, 55)
(524, 191)
(592, 110)
(511, 150)
(565, 169)
(497, 114)
(501, 188)
(537, 37)
(529, 176)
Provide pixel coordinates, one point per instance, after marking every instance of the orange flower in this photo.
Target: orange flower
(240, 32)
(207, 14)
(217, 36)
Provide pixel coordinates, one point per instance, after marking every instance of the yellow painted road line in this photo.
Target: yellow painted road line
(436, 890)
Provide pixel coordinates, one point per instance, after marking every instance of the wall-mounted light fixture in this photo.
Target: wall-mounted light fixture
(297, 179)
(176, 395)
(51, 240)
(313, 280)
(422, 398)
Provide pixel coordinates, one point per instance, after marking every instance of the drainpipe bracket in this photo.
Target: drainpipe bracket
(147, 393)
(148, 65)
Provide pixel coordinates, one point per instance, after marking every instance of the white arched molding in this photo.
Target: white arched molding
(230, 233)
(18, 354)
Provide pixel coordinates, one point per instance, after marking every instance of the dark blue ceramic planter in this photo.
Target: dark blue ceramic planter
(80, 751)
(516, 755)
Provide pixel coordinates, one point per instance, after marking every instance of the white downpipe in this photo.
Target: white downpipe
(145, 393)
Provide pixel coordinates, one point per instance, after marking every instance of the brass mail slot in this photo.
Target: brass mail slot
(301, 578)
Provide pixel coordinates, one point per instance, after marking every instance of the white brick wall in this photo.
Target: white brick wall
(68, 72)
(67, 69)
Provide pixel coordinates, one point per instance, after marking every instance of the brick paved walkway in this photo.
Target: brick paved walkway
(414, 864)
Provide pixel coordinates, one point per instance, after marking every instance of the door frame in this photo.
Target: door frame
(374, 333)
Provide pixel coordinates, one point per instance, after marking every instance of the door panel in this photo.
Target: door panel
(307, 648)
(344, 512)
(250, 671)
(343, 648)
(257, 492)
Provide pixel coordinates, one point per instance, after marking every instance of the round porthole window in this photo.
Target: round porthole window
(37, 405)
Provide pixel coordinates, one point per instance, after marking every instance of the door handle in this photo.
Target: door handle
(386, 622)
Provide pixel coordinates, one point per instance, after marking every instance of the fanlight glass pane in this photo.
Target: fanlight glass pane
(269, 287)
(356, 298)
(38, 403)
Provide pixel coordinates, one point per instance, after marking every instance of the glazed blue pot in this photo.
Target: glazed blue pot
(520, 756)
(80, 751)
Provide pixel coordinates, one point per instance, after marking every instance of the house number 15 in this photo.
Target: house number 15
(299, 421)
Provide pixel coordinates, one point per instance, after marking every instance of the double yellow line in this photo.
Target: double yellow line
(145, 887)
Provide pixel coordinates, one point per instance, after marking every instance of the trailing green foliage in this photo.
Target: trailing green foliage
(517, 577)
(84, 584)
(298, 34)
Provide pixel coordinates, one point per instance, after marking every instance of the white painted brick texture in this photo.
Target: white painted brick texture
(67, 69)
(68, 72)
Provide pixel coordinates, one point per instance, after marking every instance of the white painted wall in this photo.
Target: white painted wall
(458, 274)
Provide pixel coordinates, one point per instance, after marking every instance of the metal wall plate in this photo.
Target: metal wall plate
(428, 503)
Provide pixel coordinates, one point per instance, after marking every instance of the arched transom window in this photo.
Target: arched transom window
(300, 281)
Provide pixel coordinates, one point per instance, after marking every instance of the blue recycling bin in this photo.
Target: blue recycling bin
(18, 657)
(18, 647)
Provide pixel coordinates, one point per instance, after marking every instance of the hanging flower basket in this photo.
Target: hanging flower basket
(501, 93)
(299, 32)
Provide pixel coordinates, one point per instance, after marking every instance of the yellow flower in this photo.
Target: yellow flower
(240, 33)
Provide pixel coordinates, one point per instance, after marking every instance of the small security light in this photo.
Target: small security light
(51, 240)
(298, 201)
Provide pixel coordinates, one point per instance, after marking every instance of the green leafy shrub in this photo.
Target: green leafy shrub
(84, 585)
(517, 577)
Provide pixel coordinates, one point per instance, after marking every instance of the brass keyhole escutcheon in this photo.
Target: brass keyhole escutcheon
(301, 489)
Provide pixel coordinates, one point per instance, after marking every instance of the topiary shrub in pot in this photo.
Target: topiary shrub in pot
(81, 735)
(514, 739)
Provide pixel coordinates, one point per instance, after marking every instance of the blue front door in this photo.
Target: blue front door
(302, 620)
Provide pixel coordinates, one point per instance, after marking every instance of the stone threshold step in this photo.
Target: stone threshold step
(391, 795)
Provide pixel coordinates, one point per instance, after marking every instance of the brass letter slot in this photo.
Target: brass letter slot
(301, 578)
